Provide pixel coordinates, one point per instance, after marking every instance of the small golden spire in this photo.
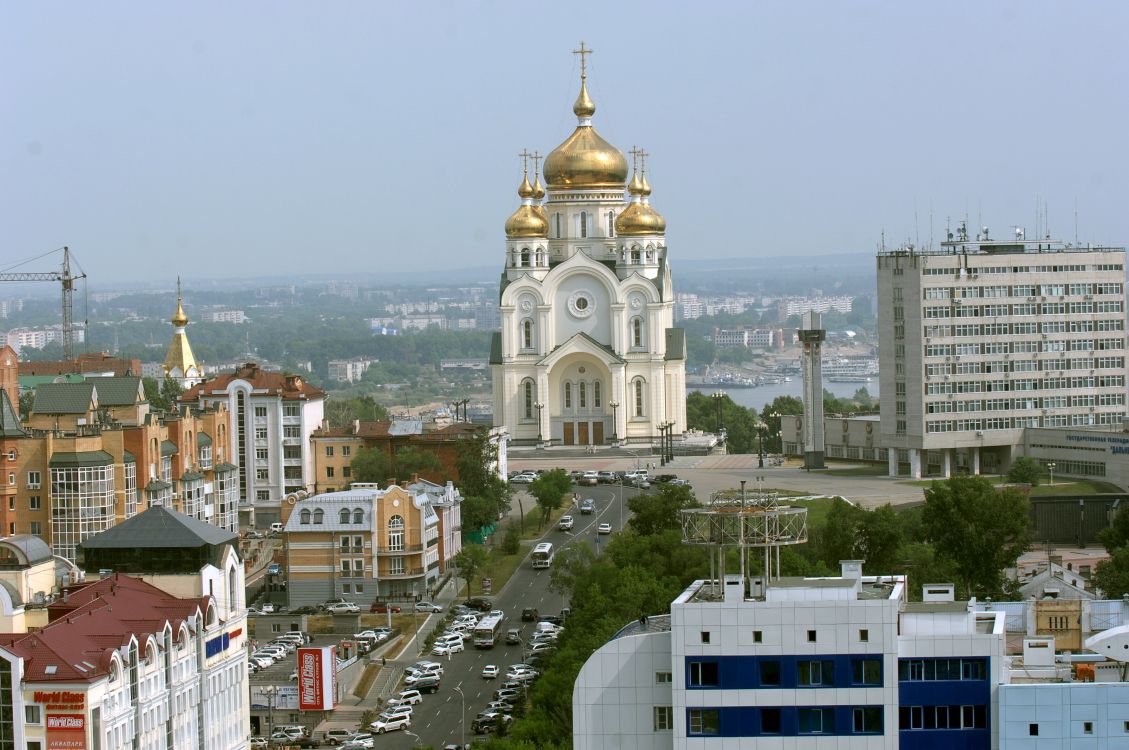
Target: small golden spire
(643, 168)
(525, 190)
(538, 188)
(635, 187)
(584, 106)
(179, 319)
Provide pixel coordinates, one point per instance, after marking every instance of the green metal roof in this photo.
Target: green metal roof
(118, 391)
(81, 458)
(63, 398)
(203, 438)
(9, 418)
(168, 448)
(192, 476)
(31, 382)
(157, 485)
(496, 348)
(225, 467)
(128, 458)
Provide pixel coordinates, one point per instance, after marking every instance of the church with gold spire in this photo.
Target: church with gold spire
(588, 353)
(180, 363)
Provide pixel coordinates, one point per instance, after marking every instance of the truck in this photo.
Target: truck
(487, 630)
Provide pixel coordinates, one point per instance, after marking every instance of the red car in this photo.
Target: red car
(384, 607)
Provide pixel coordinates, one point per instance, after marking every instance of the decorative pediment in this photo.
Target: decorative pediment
(582, 343)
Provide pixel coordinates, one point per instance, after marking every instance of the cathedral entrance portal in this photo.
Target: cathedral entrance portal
(582, 433)
(569, 437)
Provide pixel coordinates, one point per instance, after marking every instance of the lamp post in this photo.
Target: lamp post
(539, 407)
(615, 419)
(762, 428)
(270, 691)
(718, 396)
(670, 441)
(462, 716)
(1051, 469)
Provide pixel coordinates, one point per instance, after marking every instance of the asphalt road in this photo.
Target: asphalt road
(436, 721)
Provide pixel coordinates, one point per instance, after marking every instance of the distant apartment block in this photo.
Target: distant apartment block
(790, 306)
(349, 370)
(37, 338)
(224, 316)
(9, 306)
(747, 338)
(468, 363)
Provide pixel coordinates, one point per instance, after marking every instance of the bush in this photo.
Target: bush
(1024, 470)
(511, 542)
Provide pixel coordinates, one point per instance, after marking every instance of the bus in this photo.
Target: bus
(542, 555)
(487, 630)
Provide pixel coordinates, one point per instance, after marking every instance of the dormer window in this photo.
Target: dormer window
(344, 517)
(304, 517)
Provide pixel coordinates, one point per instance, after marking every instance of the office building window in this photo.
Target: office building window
(705, 636)
(664, 718)
(704, 721)
(770, 672)
(816, 720)
(864, 635)
(816, 673)
(663, 677)
(866, 671)
(758, 636)
(867, 720)
(811, 636)
(770, 721)
(703, 674)
(1033, 730)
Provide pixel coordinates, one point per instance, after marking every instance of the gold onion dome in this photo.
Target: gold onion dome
(638, 219)
(179, 318)
(527, 220)
(585, 160)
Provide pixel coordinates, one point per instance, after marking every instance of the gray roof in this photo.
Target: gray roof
(168, 448)
(80, 458)
(496, 348)
(406, 427)
(123, 390)
(160, 527)
(331, 503)
(28, 546)
(63, 398)
(203, 438)
(9, 418)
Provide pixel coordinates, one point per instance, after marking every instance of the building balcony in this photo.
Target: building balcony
(291, 441)
(297, 419)
(406, 549)
(292, 462)
(407, 573)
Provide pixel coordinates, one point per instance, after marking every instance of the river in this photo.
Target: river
(758, 397)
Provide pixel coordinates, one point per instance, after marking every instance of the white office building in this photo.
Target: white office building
(986, 337)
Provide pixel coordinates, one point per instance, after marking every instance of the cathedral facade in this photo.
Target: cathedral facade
(587, 353)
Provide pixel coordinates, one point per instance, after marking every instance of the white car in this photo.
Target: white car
(427, 607)
(408, 697)
(565, 524)
(392, 719)
(446, 648)
(262, 662)
(604, 528)
(370, 635)
(541, 647)
(526, 478)
(340, 608)
(357, 741)
(490, 671)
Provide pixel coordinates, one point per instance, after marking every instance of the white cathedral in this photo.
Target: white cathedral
(587, 354)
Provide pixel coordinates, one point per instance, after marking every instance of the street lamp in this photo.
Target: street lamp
(462, 716)
(615, 420)
(539, 407)
(718, 396)
(1051, 468)
(762, 428)
(270, 691)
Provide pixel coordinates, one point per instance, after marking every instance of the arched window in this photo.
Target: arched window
(583, 223)
(344, 518)
(319, 516)
(527, 393)
(358, 516)
(596, 394)
(639, 385)
(557, 225)
(635, 256)
(304, 517)
(611, 223)
(582, 391)
(525, 257)
(637, 333)
(568, 395)
(527, 333)
(396, 533)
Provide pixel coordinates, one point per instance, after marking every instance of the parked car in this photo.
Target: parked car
(506, 694)
(384, 608)
(345, 736)
(525, 478)
(446, 648)
(481, 603)
(541, 646)
(427, 607)
(604, 528)
(513, 636)
(274, 569)
(257, 743)
(503, 706)
(589, 479)
(342, 608)
(428, 683)
(680, 482)
(489, 721)
(327, 604)
(410, 697)
(490, 671)
(565, 523)
(372, 636)
(387, 722)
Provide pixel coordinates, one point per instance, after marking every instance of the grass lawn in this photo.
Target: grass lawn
(1061, 487)
(817, 509)
(869, 470)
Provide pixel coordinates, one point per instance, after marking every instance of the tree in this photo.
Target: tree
(171, 391)
(550, 489)
(511, 542)
(27, 400)
(476, 461)
(371, 465)
(1112, 575)
(979, 528)
(342, 412)
(1024, 470)
(477, 512)
(1117, 534)
(412, 460)
(658, 512)
(469, 560)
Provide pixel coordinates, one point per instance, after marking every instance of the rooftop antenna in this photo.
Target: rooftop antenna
(1046, 219)
(930, 223)
(916, 231)
(1076, 220)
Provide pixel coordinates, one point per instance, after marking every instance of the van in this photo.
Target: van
(276, 528)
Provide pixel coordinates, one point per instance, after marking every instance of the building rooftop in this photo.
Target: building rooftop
(263, 382)
(160, 527)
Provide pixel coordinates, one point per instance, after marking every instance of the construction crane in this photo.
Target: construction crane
(67, 278)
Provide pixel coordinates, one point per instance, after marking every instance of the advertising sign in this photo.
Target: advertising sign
(66, 732)
(317, 678)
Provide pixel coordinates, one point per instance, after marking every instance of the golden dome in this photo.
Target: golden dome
(527, 221)
(179, 318)
(538, 189)
(645, 186)
(525, 190)
(639, 219)
(635, 187)
(585, 160)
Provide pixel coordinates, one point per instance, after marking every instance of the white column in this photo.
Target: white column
(547, 399)
(914, 463)
(891, 461)
(947, 463)
(976, 461)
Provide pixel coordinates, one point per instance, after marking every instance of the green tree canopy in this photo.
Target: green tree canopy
(341, 412)
(1024, 470)
(979, 528)
(415, 460)
(549, 489)
(1112, 575)
(659, 511)
(371, 465)
(469, 560)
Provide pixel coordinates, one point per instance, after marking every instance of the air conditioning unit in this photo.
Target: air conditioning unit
(979, 433)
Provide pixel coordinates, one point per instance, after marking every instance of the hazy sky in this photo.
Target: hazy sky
(251, 138)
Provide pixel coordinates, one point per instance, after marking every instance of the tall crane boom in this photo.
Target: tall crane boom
(67, 278)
